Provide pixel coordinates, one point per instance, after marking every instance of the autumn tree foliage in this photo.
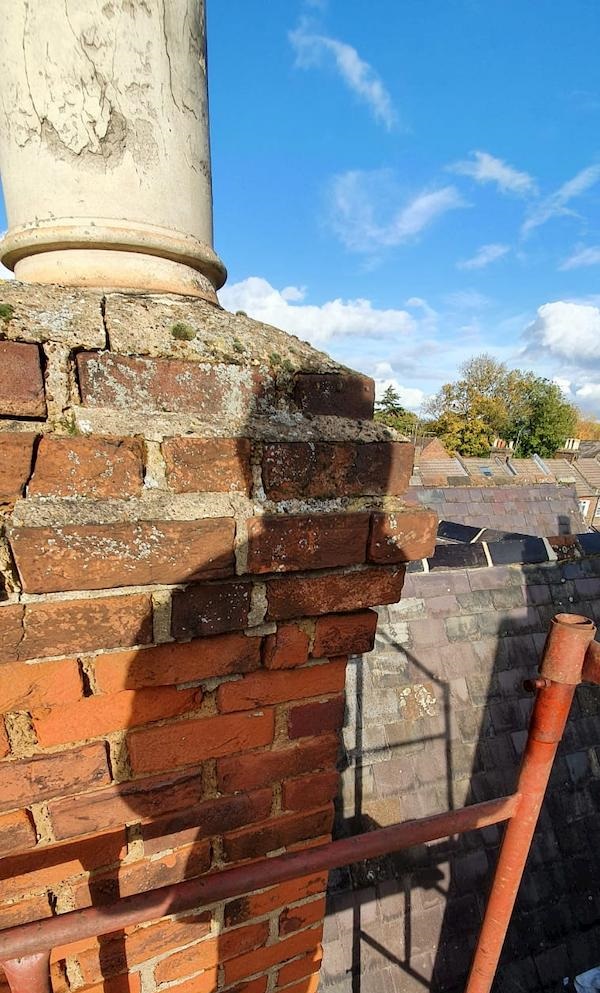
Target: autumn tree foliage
(489, 400)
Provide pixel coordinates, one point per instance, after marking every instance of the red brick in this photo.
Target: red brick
(204, 982)
(113, 806)
(112, 955)
(320, 787)
(287, 648)
(284, 543)
(34, 908)
(213, 465)
(43, 684)
(279, 832)
(11, 630)
(345, 634)
(188, 742)
(146, 874)
(209, 953)
(205, 610)
(258, 985)
(306, 966)
(335, 394)
(296, 918)
(262, 689)
(258, 904)
(21, 380)
(242, 772)
(295, 596)
(51, 864)
(45, 776)
(100, 468)
(147, 384)
(403, 536)
(17, 833)
(16, 454)
(167, 665)
(308, 985)
(127, 983)
(210, 818)
(97, 715)
(315, 718)
(63, 626)
(4, 742)
(264, 958)
(98, 556)
(303, 469)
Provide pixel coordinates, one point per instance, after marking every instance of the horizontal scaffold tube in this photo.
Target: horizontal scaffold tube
(41, 936)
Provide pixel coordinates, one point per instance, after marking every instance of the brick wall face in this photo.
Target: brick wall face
(193, 534)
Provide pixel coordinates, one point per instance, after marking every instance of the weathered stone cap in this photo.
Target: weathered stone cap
(165, 326)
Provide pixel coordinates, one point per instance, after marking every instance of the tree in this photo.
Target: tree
(545, 419)
(490, 400)
(587, 428)
(390, 411)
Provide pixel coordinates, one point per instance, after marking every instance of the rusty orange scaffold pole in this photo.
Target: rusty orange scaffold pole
(561, 669)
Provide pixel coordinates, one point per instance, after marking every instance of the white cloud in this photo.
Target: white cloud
(486, 168)
(566, 331)
(582, 257)
(359, 198)
(317, 323)
(6, 273)
(360, 77)
(556, 204)
(410, 396)
(484, 256)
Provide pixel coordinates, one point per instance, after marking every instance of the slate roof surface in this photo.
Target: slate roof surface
(538, 509)
(437, 717)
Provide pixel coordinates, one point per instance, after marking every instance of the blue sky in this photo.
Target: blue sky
(410, 186)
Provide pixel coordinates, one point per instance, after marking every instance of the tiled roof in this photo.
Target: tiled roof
(439, 472)
(482, 469)
(590, 470)
(567, 472)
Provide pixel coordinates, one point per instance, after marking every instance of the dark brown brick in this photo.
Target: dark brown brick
(403, 535)
(335, 394)
(332, 469)
(21, 380)
(205, 610)
(293, 596)
(285, 543)
(316, 718)
(345, 634)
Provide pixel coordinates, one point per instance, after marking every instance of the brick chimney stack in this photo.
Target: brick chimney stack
(104, 146)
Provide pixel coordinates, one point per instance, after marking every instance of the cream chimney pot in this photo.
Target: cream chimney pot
(104, 145)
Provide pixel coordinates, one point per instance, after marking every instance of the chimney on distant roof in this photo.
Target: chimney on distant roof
(104, 145)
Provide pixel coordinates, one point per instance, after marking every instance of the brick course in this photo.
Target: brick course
(21, 381)
(94, 468)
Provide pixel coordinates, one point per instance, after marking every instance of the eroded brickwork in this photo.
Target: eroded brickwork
(198, 514)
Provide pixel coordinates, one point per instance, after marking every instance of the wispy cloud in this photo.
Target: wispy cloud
(582, 257)
(486, 168)
(359, 206)
(313, 48)
(484, 256)
(556, 205)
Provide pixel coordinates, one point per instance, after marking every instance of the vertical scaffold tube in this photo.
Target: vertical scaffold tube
(560, 670)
